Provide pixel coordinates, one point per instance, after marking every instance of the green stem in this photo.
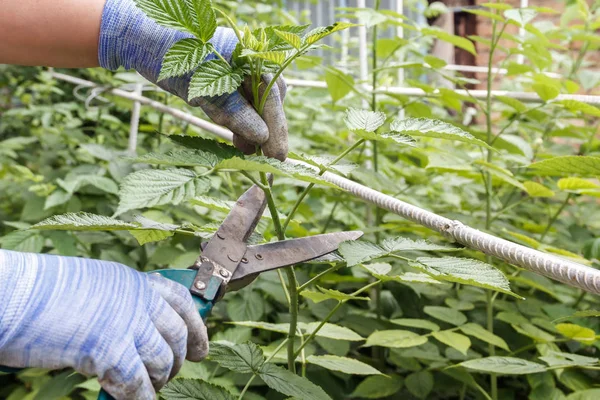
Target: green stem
(491, 348)
(555, 216)
(286, 64)
(579, 299)
(489, 188)
(293, 288)
(331, 313)
(318, 276)
(330, 218)
(309, 187)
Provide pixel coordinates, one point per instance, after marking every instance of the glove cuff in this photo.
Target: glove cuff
(130, 39)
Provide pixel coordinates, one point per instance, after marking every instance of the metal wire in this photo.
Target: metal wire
(568, 272)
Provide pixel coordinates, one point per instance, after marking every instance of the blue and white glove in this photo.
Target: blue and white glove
(130, 39)
(130, 329)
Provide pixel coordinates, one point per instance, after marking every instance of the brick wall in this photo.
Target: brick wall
(484, 29)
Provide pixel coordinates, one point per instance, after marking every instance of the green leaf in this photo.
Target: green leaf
(581, 314)
(522, 16)
(207, 20)
(150, 235)
(504, 366)
(514, 103)
(454, 340)
(194, 389)
(465, 271)
(408, 277)
(343, 364)
(290, 384)
(419, 384)
(153, 187)
(458, 41)
(555, 358)
(183, 57)
(276, 167)
(395, 339)
(566, 165)
(339, 84)
(243, 358)
(330, 331)
(24, 241)
(360, 251)
(214, 78)
(587, 394)
(416, 323)
(535, 189)
(434, 129)
(169, 13)
(329, 294)
(319, 33)
(278, 57)
(576, 332)
(395, 137)
(290, 38)
(180, 158)
(83, 221)
(481, 333)
(545, 91)
(378, 386)
(435, 62)
(220, 150)
(576, 184)
(446, 314)
(246, 307)
(579, 106)
(276, 35)
(99, 182)
(363, 120)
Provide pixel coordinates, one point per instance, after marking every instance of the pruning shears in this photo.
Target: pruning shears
(228, 263)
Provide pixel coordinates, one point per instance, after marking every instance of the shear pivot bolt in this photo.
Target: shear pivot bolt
(224, 273)
(259, 257)
(200, 285)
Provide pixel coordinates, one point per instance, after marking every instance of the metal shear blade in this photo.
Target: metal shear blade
(228, 263)
(271, 256)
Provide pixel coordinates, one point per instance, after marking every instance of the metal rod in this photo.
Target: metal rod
(568, 272)
(529, 97)
(135, 121)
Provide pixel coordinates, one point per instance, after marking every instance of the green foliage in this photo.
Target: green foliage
(391, 315)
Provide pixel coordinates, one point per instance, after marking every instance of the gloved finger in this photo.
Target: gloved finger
(128, 379)
(157, 356)
(162, 346)
(236, 113)
(180, 299)
(243, 145)
(273, 115)
(282, 88)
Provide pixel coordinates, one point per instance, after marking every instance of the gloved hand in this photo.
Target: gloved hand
(132, 330)
(131, 39)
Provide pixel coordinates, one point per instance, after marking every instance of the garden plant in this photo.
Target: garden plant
(402, 312)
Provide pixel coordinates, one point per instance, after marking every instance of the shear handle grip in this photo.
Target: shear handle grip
(183, 276)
